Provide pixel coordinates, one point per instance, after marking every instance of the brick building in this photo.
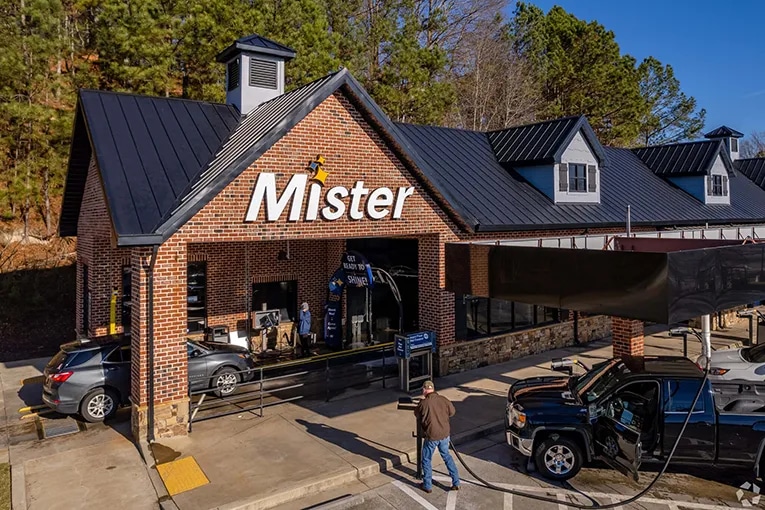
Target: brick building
(190, 215)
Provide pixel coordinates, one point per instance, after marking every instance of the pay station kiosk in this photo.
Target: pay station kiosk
(415, 358)
(415, 365)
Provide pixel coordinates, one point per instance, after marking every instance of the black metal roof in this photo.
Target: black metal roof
(146, 148)
(256, 44)
(684, 159)
(724, 131)
(161, 160)
(754, 168)
(493, 197)
(541, 143)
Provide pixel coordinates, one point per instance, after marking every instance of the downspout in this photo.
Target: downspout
(150, 345)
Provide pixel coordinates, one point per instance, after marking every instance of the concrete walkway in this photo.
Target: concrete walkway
(89, 466)
(299, 450)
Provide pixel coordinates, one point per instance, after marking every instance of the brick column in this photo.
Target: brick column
(436, 305)
(627, 335)
(170, 364)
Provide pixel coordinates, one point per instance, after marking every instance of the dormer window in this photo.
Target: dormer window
(577, 177)
(718, 185)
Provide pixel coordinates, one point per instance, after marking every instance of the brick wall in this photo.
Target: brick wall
(96, 249)
(627, 336)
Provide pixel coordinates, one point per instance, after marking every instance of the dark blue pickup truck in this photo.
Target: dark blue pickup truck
(624, 412)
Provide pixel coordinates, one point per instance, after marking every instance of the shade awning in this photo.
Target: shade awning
(651, 281)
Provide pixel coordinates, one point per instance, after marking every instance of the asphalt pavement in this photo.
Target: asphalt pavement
(494, 461)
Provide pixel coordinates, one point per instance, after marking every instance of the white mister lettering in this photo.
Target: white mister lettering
(356, 203)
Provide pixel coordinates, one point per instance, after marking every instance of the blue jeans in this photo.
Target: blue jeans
(428, 449)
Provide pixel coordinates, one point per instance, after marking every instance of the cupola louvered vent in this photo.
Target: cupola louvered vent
(263, 73)
(233, 75)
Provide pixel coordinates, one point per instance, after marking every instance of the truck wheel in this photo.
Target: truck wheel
(99, 405)
(558, 458)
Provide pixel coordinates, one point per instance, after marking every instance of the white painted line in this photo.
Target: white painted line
(508, 505)
(409, 492)
(451, 500)
(556, 491)
(615, 499)
(561, 497)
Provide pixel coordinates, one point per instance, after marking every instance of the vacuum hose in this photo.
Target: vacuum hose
(628, 501)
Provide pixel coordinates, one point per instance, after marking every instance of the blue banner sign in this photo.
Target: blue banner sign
(418, 341)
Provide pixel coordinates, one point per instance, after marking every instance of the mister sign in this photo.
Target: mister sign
(304, 195)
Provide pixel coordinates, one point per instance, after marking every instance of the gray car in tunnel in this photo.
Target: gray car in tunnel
(92, 377)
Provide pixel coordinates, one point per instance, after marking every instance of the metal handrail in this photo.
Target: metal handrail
(260, 393)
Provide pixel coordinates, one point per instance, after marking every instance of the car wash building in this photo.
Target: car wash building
(192, 217)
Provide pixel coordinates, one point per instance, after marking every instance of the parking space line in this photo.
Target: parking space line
(560, 494)
(451, 500)
(409, 492)
(508, 503)
(615, 499)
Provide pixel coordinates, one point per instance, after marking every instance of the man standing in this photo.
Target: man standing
(304, 330)
(434, 412)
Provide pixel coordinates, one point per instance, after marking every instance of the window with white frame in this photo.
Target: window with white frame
(734, 144)
(577, 177)
(717, 185)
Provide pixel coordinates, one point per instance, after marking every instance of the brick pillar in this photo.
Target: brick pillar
(170, 368)
(436, 305)
(627, 335)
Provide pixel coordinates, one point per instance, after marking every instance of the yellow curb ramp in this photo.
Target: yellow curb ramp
(181, 475)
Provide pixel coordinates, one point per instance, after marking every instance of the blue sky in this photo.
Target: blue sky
(717, 49)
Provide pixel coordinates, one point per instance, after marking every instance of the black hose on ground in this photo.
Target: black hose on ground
(628, 501)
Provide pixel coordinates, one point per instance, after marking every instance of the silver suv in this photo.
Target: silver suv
(92, 377)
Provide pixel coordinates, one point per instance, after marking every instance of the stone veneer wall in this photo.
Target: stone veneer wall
(725, 319)
(470, 354)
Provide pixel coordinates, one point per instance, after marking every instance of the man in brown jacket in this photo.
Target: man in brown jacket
(434, 412)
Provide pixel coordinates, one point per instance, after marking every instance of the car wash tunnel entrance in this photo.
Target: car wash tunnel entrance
(660, 280)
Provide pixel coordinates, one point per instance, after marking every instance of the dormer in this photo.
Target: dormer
(254, 71)
(729, 137)
(562, 158)
(701, 169)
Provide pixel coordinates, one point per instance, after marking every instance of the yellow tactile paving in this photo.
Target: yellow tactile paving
(182, 475)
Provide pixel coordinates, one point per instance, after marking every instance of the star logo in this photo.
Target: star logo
(316, 167)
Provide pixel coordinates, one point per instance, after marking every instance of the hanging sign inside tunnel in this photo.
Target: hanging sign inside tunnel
(355, 271)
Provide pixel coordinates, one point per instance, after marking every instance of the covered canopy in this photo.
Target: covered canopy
(658, 280)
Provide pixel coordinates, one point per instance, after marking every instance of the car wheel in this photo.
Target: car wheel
(225, 381)
(558, 458)
(99, 405)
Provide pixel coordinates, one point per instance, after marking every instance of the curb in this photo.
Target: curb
(163, 498)
(353, 474)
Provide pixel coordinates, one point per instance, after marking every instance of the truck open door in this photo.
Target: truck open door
(617, 438)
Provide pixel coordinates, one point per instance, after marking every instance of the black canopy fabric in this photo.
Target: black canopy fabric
(658, 286)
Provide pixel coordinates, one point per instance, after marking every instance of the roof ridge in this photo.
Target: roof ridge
(148, 96)
(296, 89)
(441, 127)
(674, 144)
(539, 123)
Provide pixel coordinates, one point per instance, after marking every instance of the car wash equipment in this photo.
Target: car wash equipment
(408, 404)
(705, 348)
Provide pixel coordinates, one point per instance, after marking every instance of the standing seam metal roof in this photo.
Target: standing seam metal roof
(147, 149)
(682, 159)
(500, 199)
(754, 168)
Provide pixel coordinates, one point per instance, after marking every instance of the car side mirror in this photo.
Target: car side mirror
(194, 354)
